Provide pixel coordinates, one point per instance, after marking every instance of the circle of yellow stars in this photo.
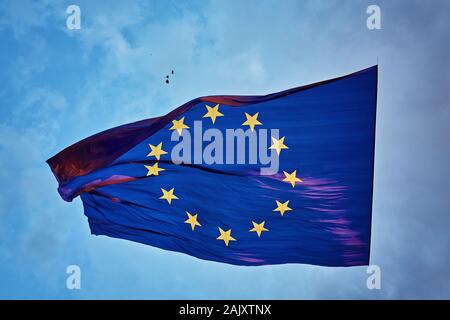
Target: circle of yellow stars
(251, 121)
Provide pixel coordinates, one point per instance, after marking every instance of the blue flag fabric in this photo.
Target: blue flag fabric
(316, 209)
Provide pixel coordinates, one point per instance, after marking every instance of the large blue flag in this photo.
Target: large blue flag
(246, 180)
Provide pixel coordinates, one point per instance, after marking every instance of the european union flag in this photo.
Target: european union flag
(246, 180)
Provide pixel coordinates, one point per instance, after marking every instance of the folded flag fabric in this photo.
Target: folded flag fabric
(245, 180)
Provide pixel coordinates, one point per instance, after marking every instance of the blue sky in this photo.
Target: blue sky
(60, 85)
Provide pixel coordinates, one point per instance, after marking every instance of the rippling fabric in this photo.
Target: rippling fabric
(329, 129)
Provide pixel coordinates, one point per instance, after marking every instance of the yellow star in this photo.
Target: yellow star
(192, 220)
(168, 195)
(278, 145)
(291, 178)
(156, 151)
(213, 113)
(178, 125)
(154, 170)
(252, 121)
(258, 228)
(225, 236)
(282, 207)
